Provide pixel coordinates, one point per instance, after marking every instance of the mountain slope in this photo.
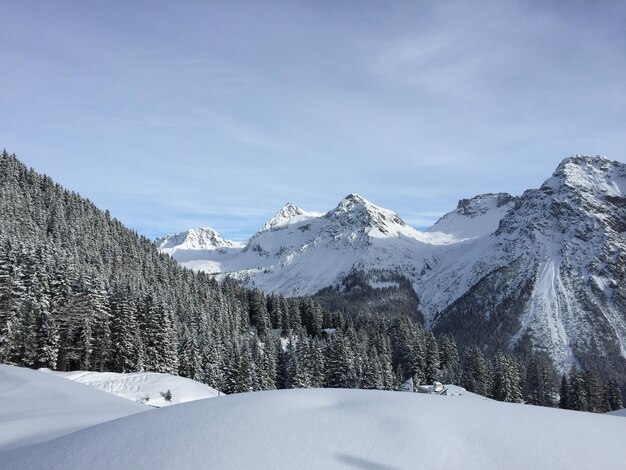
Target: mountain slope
(560, 253)
(321, 428)
(79, 291)
(475, 217)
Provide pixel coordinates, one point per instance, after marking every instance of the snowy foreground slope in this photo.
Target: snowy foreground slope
(36, 407)
(621, 412)
(149, 388)
(314, 429)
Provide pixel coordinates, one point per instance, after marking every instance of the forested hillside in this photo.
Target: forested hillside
(78, 290)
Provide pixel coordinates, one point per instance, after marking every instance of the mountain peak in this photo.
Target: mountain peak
(354, 201)
(354, 197)
(357, 212)
(288, 214)
(475, 217)
(589, 174)
(200, 238)
(482, 203)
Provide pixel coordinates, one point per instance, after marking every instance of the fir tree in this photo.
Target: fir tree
(507, 380)
(612, 396)
(127, 347)
(372, 375)
(431, 358)
(340, 363)
(189, 354)
(476, 373)
(564, 393)
(577, 398)
(540, 383)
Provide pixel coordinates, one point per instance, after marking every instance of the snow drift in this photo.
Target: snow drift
(149, 388)
(36, 407)
(314, 429)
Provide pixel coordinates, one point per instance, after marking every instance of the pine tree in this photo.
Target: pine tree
(540, 383)
(274, 307)
(340, 366)
(593, 390)
(389, 379)
(577, 398)
(12, 326)
(213, 364)
(259, 316)
(612, 396)
(246, 375)
(372, 375)
(294, 373)
(318, 364)
(449, 357)
(265, 363)
(431, 358)
(102, 341)
(312, 317)
(188, 354)
(507, 380)
(127, 345)
(564, 394)
(230, 370)
(476, 374)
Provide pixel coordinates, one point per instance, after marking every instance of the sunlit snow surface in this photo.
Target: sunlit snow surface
(36, 407)
(149, 388)
(327, 429)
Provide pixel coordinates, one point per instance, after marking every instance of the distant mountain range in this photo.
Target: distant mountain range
(544, 270)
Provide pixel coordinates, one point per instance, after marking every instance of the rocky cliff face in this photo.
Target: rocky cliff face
(552, 274)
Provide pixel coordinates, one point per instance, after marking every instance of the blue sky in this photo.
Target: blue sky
(181, 114)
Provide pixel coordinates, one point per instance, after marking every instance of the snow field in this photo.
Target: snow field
(322, 428)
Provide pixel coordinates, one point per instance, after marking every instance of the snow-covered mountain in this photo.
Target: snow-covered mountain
(475, 217)
(299, 252)
(551, 275)
(202, 238)
(195, 243)
(542, 270)
(289, 214)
